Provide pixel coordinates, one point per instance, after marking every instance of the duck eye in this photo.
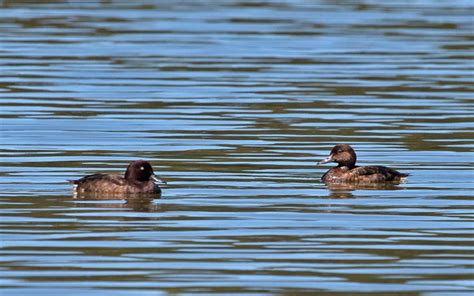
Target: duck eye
(142, 168)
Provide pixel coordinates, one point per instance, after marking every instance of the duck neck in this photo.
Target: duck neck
(348, 165)
(127, 177)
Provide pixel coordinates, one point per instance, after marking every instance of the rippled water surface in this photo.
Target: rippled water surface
(233, 103)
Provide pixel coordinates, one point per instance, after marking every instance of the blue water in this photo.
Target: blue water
(233, 103)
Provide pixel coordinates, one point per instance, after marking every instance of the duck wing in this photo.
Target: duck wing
(114, 179)
(376, 174)
(99, 182)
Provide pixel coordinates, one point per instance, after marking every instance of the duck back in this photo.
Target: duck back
(377, 174)
(367, 174)
(113, 184)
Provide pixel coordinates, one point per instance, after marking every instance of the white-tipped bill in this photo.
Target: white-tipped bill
(326, 160)
(158, 180)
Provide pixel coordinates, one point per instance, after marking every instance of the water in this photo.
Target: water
(234, 103)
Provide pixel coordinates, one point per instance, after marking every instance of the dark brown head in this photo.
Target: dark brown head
(343, 154)
(141, 171)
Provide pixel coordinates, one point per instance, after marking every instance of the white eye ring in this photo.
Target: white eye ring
(142, 168)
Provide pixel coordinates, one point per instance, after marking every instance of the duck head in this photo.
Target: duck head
(343, 154)
(141, 170)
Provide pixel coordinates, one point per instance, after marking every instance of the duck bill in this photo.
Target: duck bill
(326, 160)
(158, 179)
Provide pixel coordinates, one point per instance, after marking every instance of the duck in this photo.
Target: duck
(139, 178)
(346, 170)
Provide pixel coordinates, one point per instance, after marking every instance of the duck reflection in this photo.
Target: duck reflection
(114, 196)
(344, 190)
(140, 203)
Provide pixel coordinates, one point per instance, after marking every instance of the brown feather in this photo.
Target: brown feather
(346, 171)
(136, 180)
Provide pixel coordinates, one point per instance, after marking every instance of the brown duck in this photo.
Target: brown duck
(138, 179)
(347, 171)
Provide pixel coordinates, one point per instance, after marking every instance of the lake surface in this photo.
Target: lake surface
(233, 103)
